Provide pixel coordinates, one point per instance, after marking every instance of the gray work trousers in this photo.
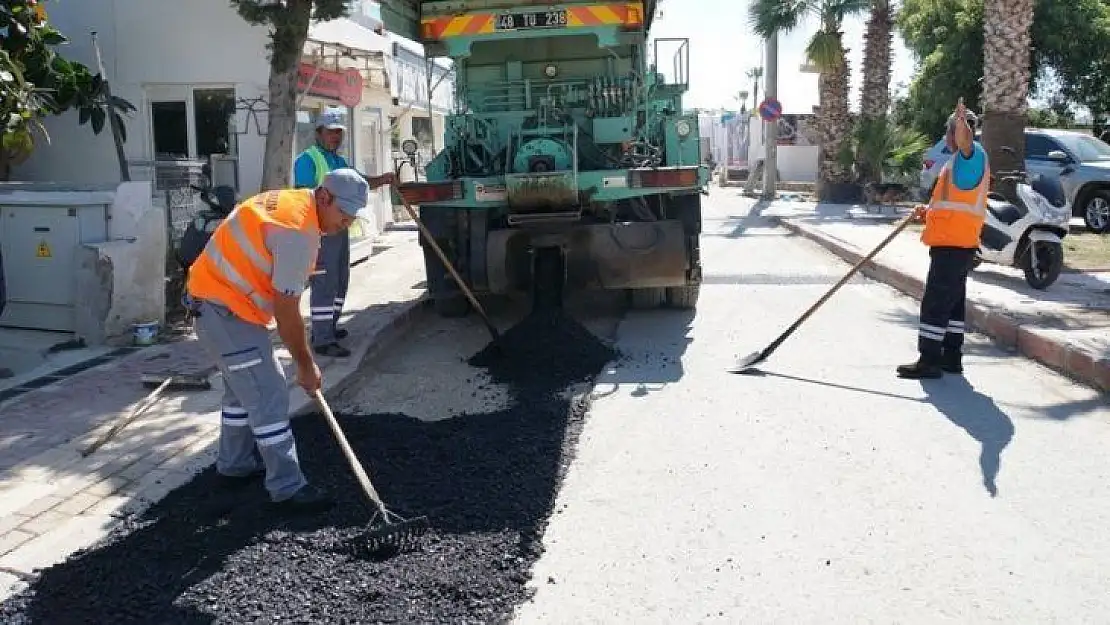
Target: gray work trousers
(329, 289)
(254, 428)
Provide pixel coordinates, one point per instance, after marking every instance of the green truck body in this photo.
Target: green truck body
(568, 161)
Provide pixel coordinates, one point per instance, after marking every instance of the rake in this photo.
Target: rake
(394, 532)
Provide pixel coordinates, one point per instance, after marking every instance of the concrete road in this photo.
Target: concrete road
(826, 490)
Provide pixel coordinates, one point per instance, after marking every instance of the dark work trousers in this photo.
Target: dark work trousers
(943, 306)
(329, 289)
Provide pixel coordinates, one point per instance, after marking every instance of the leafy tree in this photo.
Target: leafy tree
(37, 82)
(288, 21)
(1070, 42)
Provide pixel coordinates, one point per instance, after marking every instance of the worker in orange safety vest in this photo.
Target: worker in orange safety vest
(252, 272)
(953, 224)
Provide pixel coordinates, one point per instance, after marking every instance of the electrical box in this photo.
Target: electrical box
(40, 244)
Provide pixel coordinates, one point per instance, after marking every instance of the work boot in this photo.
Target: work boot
(920, 369)
(952, 362)
(308, 499)
(332, 349)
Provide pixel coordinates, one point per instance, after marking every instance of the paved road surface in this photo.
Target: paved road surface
(826, 490)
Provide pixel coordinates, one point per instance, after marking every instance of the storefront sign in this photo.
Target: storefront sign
(345, 86)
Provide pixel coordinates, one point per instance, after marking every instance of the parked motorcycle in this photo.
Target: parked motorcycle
(200, 229)
(1028, 233)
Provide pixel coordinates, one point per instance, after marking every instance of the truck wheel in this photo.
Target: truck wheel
(452, 306)
(683, 297)
(647, 299)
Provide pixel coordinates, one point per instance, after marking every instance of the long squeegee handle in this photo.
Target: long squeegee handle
(836, 287)
(446, 263)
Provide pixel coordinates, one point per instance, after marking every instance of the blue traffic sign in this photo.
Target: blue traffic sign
(770, 109)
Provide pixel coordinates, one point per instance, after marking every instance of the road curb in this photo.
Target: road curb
(1076, 363)
(366, 349)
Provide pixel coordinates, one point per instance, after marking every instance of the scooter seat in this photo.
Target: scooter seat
(1005, 212)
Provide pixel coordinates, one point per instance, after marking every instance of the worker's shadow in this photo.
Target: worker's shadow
(977, 414)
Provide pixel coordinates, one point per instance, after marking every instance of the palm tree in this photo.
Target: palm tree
(875, 90)
(878, 37)
(1006, 76)
(827, 52)
(755, 74)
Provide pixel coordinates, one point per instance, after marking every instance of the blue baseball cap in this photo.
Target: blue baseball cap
(350, 189)
(331, 119)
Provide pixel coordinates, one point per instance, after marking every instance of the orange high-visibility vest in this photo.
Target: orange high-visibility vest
(235, 267)
(955, 217)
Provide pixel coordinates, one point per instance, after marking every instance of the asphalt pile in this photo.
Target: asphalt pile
(545, 353)
(487, 482)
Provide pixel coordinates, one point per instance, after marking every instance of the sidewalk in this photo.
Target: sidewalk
(54, 502)
(1064, 327)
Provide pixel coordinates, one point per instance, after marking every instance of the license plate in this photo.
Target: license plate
(532, 19)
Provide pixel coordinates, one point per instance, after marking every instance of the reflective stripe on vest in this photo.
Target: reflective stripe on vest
(955, 216)
(320, 161)
(235, 267)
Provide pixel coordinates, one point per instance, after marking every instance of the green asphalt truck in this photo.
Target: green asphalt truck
(569, 162)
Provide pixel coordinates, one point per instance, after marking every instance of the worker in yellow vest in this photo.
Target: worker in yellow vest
(953, 224)
(329, 284)
(253, 271)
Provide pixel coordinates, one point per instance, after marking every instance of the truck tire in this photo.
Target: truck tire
(683, 297)
(452, 306)
(647, 299)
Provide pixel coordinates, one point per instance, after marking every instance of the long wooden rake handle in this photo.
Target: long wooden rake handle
(352, 459)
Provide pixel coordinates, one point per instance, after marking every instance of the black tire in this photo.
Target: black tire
(452, 306)
(1096, 211)
(647, 299)
(1051, 263)
(683, 297)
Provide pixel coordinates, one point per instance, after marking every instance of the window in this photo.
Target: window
(170, 121)
(191, 122)
(1037, 147)
(213, 111)
(1088, 149)
(371, 141)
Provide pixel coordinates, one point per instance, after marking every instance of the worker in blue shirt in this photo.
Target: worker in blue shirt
(333, 266)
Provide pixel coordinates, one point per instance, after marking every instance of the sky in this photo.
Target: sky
(722, 49)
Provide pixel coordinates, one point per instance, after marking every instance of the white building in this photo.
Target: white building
(198, 74)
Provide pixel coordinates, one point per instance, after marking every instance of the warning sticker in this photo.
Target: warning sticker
(43, 250)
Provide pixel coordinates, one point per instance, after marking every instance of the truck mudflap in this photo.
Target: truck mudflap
(597, 256)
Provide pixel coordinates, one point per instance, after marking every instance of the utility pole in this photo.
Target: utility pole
(771, 129)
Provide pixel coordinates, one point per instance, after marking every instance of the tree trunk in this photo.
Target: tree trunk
(875, 90)
(288, 40)
(834, 123)
(878, 38)
(1006, 77)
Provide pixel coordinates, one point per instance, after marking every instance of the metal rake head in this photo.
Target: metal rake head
(390, 536)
